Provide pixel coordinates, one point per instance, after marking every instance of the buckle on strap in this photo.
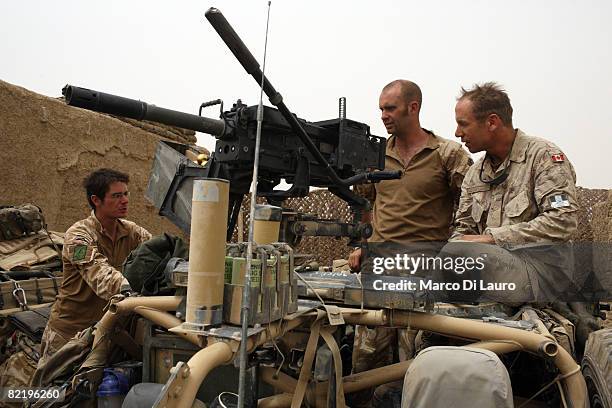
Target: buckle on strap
(18, 291)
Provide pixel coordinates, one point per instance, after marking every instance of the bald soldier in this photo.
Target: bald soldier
(522, 191)
(93, 254)
(416, 208)
(419, 206)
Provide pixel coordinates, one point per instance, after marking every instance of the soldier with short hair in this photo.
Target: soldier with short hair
(415, 209)
(522, 191)
(94, 251)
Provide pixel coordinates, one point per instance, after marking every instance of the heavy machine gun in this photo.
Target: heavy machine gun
(332, 154)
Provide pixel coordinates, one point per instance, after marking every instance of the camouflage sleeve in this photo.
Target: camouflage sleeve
(457, 163)
(81, 251)
(464, 223)
(144, 234)
(556, 198)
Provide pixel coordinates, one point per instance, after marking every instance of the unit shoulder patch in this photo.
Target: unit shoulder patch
(79, 252)
(557, 157)
(559, 201)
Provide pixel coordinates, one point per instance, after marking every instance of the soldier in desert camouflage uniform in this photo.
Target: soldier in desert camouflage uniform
(521, 192)
(93, 254)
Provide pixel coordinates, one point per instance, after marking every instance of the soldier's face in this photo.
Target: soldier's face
(473, 133)
(115, 202)
(394, 111)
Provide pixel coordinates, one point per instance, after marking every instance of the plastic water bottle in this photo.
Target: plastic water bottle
(112, 389)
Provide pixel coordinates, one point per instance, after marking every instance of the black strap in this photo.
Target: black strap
(55, 285)
(39, 295)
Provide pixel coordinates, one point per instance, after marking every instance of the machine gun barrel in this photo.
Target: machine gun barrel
(250, 64)
(131, 108)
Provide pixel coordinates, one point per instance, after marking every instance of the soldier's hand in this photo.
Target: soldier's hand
(483, 239)
(354, 260)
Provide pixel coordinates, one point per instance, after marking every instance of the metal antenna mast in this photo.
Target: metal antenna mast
(246, 293)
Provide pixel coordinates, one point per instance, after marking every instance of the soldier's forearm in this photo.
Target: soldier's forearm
(544, 228)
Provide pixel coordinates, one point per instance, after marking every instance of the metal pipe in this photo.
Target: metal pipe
(573, 383)
(498, 347)
(167, 321)
(274, 330)
(573, 380)
(275, 401)
(200, 364)
(163, 303)
(371, 378)
(127, 305)
(457, 327)
(280, 380)
(530, 315)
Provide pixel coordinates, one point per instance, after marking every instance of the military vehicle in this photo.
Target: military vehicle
(299, 321)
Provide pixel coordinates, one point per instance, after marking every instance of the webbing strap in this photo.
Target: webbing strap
(333, 347)
(39, 295)
(311, 350)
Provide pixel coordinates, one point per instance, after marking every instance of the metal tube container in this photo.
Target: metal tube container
(267, 224)
(205, 277)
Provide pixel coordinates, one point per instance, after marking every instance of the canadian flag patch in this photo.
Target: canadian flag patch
(558, 158)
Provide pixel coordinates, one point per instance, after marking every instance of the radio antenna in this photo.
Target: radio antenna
(246, 293)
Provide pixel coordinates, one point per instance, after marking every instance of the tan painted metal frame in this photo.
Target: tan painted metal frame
(181, 389)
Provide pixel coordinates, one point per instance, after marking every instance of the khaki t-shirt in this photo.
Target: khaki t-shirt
(420, 205)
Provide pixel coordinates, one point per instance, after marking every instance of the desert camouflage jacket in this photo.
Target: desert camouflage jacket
(536, 203)
(92, 272)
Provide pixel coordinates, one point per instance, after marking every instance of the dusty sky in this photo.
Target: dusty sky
(553, 57)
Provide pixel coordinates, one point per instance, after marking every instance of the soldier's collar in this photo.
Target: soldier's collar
(433, 142)
(121, 229)
(518, 153)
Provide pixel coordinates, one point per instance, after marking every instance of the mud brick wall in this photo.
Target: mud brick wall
(47, 148)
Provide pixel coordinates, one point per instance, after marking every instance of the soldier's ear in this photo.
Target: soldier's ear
(414, 107)
(95, 200)
(493, 122)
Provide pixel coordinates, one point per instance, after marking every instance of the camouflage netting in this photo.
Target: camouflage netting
(594, 215)
(47, 148)
(588, 199)
(602, 219)
(323, 204)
